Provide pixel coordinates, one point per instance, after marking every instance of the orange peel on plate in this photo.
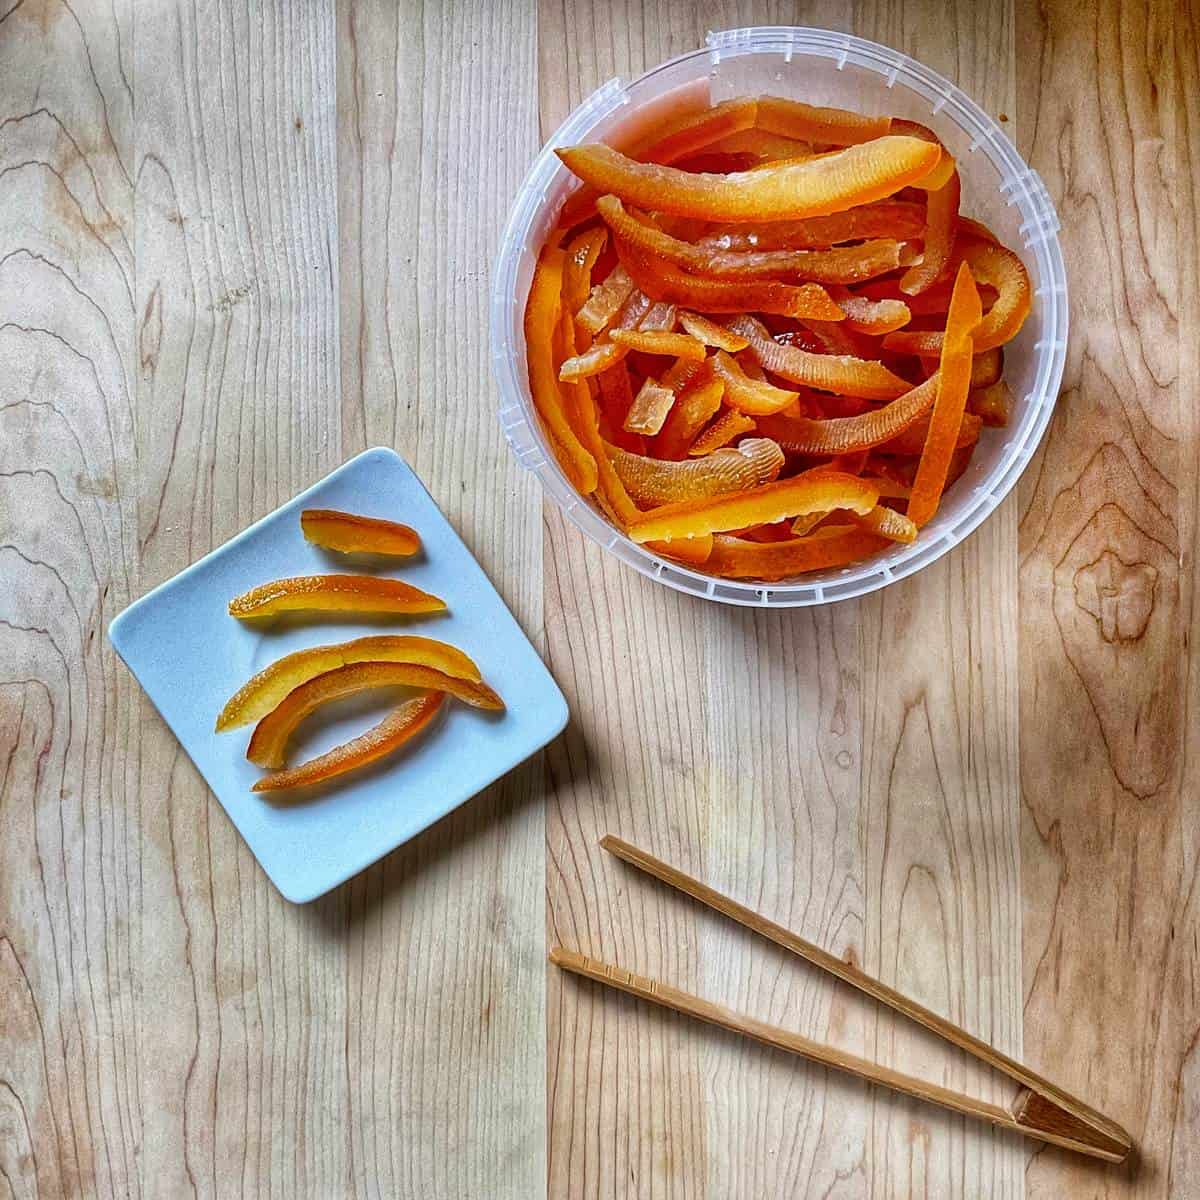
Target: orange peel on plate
(268, 743)
(333, 593)
(349, 533)
(399, 726)
(260, 694)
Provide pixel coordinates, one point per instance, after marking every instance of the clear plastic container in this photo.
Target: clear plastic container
(822, 68)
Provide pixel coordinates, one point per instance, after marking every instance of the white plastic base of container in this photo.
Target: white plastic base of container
(819, 67)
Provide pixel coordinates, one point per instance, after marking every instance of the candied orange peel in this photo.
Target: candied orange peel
(541, 320)
(840, 373)
(813, 187)
(768, 272)
(350, 533)
(657, 341)
(842, 264)
(268, 743)
(813, 491)
(729, 425)
(711, 333)
(1004, 271)
(812, 123)
(333, 593)
(738, 558)
(954, 383)
(258, 695)
(844, 435)
(401, 725)
(754, 397)
(888, 523)
(651, 481)
(693, 409)
(665, 281)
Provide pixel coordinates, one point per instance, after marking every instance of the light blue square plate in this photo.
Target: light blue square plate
(190, 655)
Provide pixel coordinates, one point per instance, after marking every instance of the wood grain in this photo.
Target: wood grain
(70, 735)
(240, 242)
(939, 781)
(446, 1067)
(1107, 593)
(812, 831)
(241, 1001)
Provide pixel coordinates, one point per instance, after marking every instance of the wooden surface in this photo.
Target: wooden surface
(240, 242)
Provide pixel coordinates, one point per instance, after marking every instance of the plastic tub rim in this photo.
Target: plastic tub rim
(1019, 184)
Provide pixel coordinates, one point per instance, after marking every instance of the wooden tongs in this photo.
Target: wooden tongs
(1041, 1110)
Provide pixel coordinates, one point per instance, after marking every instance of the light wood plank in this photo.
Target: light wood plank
(690, 781)
(197, 222)
(1107, 585)
(70, 896)
(940, 761)
(625, 1086)
(242, 1006)
(445, 938)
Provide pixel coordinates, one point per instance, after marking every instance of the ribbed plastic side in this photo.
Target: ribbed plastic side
(534, 212)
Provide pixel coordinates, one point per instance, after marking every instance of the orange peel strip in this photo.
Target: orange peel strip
(888, 523)
(781, 191)
(754, 397)
(940, 175)
(678, 138)
(737, 558)
(711, 333)
(897, 219)
(349, 533)
(830, 126)
(264, 691)
(664, 281)
(688, 134)
(653, 341)
(945, 421)
(582, 253)
(610, 492)
(838, 373)
(875, 317)
(541, 319)
(693, 551)
(399, 726)
(843, 264)
(763, 145)
(722, 431)
(692, 410)
(941, 225)
(650, 408)
(845, 435)
(813, 491)
(268, 743)
(333, 593)
(605, 300)
(756, 461)
(1002, 269)
(592, 361)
